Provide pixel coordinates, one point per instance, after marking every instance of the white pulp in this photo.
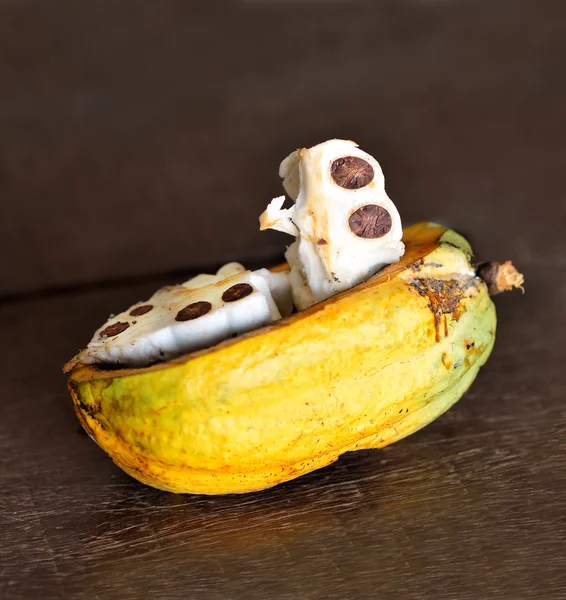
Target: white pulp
(157, 335)
(327, 257)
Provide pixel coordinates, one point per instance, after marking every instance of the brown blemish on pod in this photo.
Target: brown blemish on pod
(82, 409)
(444, 297)
(370, 221)
(416, 266)
(114, 329)
(237, 292)
(351, 172)
(193, 311)
(446, 361)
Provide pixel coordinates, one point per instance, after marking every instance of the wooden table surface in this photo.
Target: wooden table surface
(135, 140)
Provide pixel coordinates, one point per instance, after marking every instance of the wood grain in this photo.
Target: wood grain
(115, 118)
(470, 507)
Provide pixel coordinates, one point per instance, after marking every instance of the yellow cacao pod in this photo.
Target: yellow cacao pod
(360, 370)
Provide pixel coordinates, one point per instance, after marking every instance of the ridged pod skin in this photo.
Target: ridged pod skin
(360, 370)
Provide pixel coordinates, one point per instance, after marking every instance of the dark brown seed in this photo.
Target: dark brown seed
(322, 242)
(193, 311)
(114, 329)
(141, 310)
(370, 221)
(237, 292)
(351, 172)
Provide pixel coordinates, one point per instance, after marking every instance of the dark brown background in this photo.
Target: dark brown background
(139, 141)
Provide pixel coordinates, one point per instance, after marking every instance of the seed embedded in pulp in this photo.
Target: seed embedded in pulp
(141, 310)
(351, 172)
(370, 221)
(114, 329)
(193, 311)
(237, 292)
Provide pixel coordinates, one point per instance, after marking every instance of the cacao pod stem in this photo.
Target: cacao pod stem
(500, 277)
